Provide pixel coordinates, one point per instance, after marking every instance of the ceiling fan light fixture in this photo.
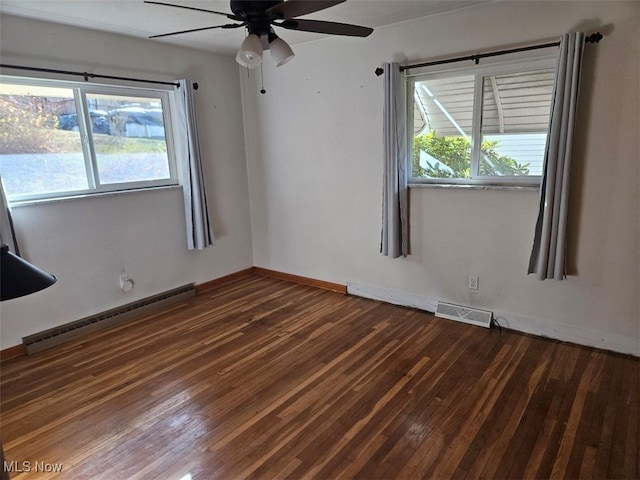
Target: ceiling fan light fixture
(250, 53)
(280, 51)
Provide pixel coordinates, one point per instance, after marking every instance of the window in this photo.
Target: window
(67, 138)
(480, 125)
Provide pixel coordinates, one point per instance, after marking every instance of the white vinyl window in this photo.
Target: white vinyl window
(60, 139)
(482, 125)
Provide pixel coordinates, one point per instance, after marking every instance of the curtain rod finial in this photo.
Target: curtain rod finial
(594, 37)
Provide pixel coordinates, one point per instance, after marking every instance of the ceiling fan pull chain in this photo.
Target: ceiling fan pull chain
(262, 90)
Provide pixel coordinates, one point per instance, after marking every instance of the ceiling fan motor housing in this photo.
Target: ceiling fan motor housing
(249, 9)
(254, 14)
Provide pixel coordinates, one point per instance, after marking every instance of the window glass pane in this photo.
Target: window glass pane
(128, 138)
(40, 147)
(443, 114)
(515, 120)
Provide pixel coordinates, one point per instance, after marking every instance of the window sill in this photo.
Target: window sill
(71, 198)
(509, 188)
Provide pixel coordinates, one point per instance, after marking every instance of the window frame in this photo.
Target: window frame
(493, 66)
(80, 91)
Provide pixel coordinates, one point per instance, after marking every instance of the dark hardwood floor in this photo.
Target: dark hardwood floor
(267, 379)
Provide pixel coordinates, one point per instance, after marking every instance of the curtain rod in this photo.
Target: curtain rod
(593, 38)
(87, 75)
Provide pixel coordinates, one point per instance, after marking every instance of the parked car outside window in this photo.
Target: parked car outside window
(99, 122)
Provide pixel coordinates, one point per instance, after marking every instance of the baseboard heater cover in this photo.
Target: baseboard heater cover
(473, 316)
(101, 321)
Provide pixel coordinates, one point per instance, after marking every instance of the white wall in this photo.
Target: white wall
(87, 243)
(314, 152)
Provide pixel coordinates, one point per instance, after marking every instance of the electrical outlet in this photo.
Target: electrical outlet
(473, 282)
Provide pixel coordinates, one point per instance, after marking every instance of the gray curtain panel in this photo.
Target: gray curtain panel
(548, 253)
(199, 232)
(395, 199)
(7, 232)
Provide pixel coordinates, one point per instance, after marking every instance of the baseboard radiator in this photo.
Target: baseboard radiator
(101, 321)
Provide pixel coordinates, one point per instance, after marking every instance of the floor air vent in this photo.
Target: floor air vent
(55, 336)
(464, 314)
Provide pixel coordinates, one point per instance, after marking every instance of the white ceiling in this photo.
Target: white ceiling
(137, 19)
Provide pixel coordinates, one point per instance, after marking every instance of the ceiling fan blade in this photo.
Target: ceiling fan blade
(228, 15)
(230, 25)
(332, 28)
(297, 8)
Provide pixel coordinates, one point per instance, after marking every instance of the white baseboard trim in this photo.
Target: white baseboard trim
(395, 297)
(581, 336)
(535, 326)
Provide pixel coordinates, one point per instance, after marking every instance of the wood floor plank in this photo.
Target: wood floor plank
(263, 378)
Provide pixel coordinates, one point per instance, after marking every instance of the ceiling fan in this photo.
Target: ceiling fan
(260, 16)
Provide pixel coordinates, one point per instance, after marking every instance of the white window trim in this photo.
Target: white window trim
(81, 89)
(534, 61)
